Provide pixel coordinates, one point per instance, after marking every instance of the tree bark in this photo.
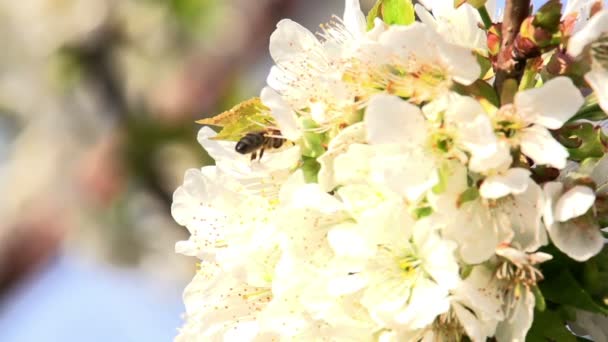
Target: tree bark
(507, 66)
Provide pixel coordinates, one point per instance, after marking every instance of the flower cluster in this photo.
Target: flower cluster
(401, 189)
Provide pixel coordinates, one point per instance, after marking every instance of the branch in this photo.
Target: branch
(515, 13)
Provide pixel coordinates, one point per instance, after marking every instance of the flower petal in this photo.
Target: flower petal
(522, 214)
(282, 113)
(513, 181)
(461, 63)
(498, 160)
(598, 80)
(580, 238)
(411, 42)
(337, 146)
(428, 300)
(289, 39)
(515, 328)
(550, 105)
(409, 174)
(538, 144)
(594, 28)
(347, 240)
(574, 203)
(353, 18)
(390, 120)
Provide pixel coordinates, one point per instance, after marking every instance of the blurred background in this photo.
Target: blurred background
(98, 100)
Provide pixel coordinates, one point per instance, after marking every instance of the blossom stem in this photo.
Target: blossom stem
(485, 17)
(527, 80)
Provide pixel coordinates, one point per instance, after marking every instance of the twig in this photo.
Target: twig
(515, 13)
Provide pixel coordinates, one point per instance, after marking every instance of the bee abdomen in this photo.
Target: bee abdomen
(250, 143)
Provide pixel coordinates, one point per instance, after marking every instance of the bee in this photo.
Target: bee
(259, 141)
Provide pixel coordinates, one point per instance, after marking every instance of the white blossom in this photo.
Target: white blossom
(573, 232)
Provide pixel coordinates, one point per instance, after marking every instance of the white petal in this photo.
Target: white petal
(347, 240)
(552, 191)
(409, 174)
(282, 113)
(538, 144)
(590, 32)
(478, 136)
(550, 105)
(218, 150)
(575, 202)
(461, 63)
(354, 19)
(472, 228)
(289, 39)
(337, 146)
(311, 196)
(389, 120)
(437, 254)
(598, 80)
(425, 16)
(522, 213)
(353, 166)
(580, 239)
(515, 328)
(592, 324)
(415, 41)
(428, 300)
(513, 181)
(498, 160)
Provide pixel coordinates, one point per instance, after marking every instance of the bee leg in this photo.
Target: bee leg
(254, 155)
(261, 154)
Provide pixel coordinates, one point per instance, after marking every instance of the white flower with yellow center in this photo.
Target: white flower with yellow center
(309, 72)
(478, 225)
(412, 62)
(408, 280)
(593, 38)
(410, 147)
(526, 123)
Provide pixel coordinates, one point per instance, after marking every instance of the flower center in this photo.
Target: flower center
(442, 141)
(409, 264)
(507, 122)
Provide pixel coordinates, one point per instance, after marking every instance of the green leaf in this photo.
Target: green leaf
(583, 140)
(548, 16)
(549, 326)
(562, 288)
(595, 276)
(590, 111)
(470, 194)
(422, 212)
(247, 116)
(310, 168)
(474, 3)
(393, 12)
(398, 12)
(539, 299)
(479, 89)
(443, 174)
(373, 14)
